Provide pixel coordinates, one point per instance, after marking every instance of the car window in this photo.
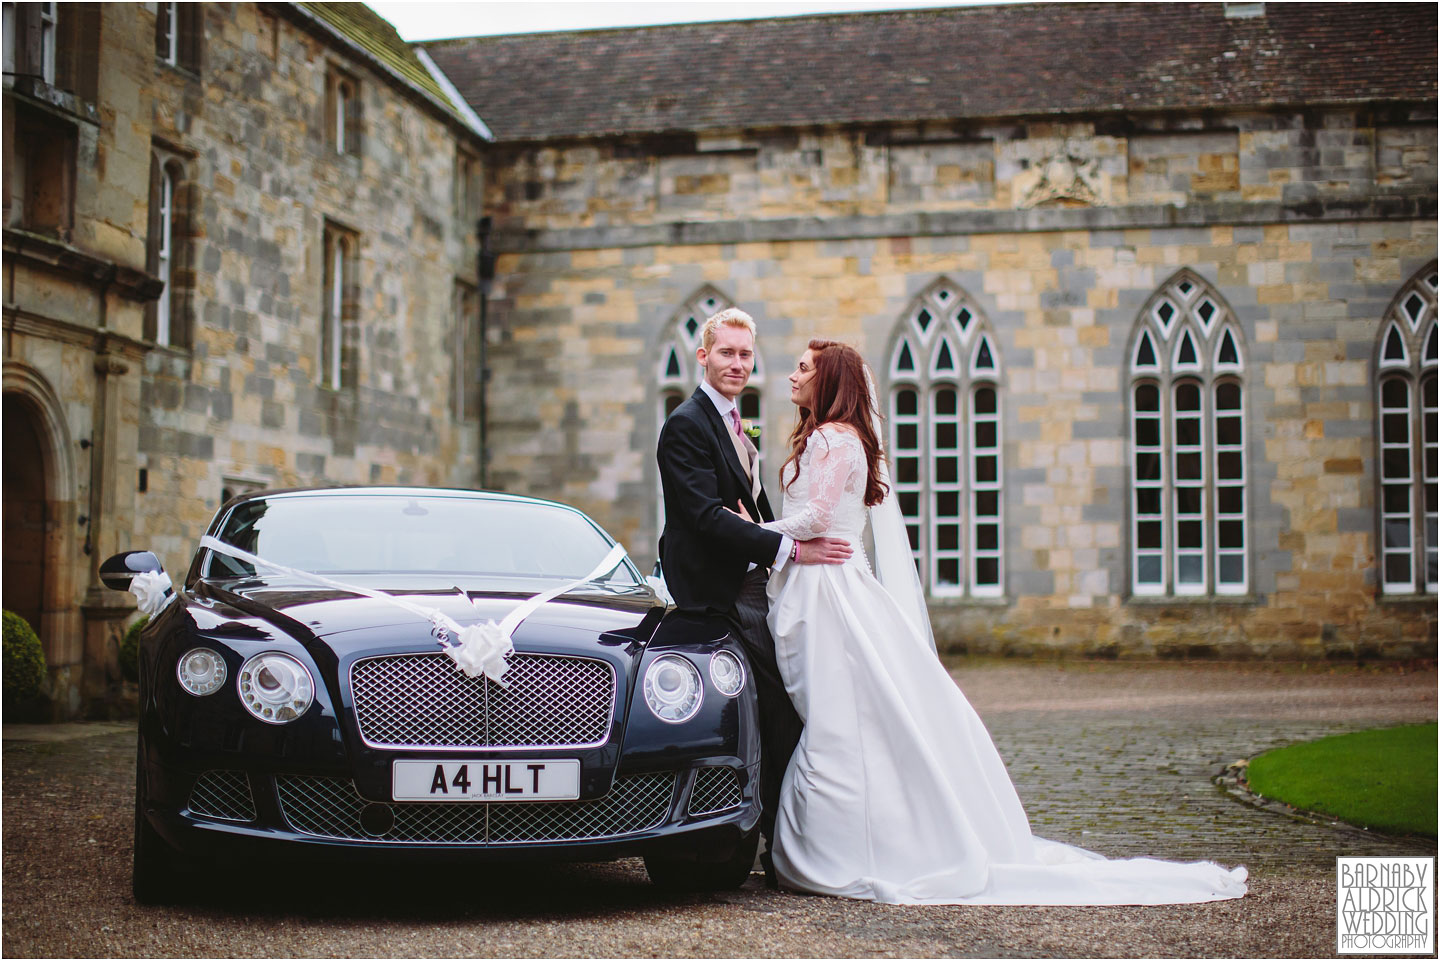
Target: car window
(420, 534)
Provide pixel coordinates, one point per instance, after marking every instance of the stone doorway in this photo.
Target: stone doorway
(26, 514)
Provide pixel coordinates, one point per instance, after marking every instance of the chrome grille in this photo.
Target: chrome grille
(224, 795)
(633, 804)
(716, 789)
(330, 807)
(425, 701)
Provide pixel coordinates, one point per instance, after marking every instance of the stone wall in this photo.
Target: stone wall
(74, 302)
(1059, 234)
(243, 406)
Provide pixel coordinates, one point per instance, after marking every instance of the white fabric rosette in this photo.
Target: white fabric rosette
(152, 590)
(482, 648)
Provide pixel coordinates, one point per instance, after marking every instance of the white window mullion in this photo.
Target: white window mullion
(7, 32)
(47, 42)
(164, 257)
(1428, 493)
(947, 487)
(1397, 508)
(170, 38)
(986, 508)
(1149, 575)
(1188, 489)
(334, 308)
(908, 471)
(1229, 465)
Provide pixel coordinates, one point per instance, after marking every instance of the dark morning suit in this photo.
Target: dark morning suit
(704, 553)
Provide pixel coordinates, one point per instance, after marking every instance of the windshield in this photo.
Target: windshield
(402, 533)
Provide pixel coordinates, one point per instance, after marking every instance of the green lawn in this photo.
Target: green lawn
(1382, 779)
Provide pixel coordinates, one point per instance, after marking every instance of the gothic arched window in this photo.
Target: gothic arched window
(1189, 520)
(945, 417)
(1405, 364)
(679, 374)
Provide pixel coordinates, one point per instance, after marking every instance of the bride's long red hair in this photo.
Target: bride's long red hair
(839, 396)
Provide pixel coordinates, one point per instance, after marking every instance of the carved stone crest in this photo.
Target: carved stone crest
(1062, 179)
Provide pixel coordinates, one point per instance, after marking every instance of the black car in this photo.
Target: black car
(297, 697)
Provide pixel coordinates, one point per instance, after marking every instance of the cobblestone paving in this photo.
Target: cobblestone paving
(1130, 771)
(1117, 758)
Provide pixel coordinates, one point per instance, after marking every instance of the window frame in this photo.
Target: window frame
(465, 401)
(169, 320)
(678, 374)
(343, 112)
(1414, 331)
(1183, 340)
(339, 308)
(936, 356)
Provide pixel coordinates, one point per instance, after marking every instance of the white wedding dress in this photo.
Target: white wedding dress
(895, 792)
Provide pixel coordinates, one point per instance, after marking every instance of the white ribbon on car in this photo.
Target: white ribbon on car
(476, 649)
(152, 591)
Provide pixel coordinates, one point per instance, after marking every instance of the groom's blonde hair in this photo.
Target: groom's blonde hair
(729, 317)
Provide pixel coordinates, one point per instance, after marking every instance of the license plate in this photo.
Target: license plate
(551, 780)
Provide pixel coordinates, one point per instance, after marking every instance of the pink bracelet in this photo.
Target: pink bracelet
(795, 550)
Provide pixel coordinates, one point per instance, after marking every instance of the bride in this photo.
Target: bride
(895, 792)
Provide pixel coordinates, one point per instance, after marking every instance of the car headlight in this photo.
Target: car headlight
(672, 688)
(201, 671)
(275, 687)
(727, 673)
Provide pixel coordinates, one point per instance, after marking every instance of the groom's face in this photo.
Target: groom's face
(729, 360)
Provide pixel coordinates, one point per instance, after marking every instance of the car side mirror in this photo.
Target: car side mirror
(119, 570)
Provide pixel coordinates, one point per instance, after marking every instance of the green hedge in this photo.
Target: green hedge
(130, 649)
(23, 667)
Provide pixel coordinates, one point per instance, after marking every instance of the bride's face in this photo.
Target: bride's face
(801, 392)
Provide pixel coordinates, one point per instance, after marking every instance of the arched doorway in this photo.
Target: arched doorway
(26, 514)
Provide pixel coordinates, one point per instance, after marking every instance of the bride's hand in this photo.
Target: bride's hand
(742, 512)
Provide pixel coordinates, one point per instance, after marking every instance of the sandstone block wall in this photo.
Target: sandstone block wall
(244, 406)
(1058, 234)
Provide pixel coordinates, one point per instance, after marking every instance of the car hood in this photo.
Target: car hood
(329, 613)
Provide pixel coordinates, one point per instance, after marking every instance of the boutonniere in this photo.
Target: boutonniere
(751, 429)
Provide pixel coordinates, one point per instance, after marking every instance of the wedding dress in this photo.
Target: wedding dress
(895, 792)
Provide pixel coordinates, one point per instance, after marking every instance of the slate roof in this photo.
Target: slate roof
(964, 62)
(377, 39)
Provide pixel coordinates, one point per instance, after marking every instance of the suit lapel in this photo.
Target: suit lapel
(722, 436)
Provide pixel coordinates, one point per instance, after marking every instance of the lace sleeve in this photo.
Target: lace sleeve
(833, 462)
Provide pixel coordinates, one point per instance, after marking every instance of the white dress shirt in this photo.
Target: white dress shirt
(725, 405)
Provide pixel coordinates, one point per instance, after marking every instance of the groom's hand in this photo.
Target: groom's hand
(823, 550)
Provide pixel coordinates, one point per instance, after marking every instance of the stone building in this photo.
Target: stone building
(1150, 289)
(241, 249)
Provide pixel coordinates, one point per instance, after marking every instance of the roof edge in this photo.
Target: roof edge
(467, 113)
(449, 111)
(1274, 106)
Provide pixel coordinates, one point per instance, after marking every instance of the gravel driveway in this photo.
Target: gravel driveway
(1116, 757)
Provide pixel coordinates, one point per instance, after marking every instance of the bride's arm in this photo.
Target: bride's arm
(831, 459)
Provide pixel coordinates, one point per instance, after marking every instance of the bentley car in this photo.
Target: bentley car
(303, 694)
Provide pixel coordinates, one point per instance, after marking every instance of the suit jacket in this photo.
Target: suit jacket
(705, 550)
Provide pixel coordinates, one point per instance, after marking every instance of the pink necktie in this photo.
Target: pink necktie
(735, 422)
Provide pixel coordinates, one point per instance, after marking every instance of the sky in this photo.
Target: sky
(416, 20)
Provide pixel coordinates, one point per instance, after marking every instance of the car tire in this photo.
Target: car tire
(675, 874)
(157, 871)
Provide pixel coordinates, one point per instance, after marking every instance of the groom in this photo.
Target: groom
(716, 563)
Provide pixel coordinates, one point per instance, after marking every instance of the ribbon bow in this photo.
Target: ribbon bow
(152, 591)
(476, 649)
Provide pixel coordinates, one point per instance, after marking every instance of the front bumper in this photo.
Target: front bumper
(700, 810)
